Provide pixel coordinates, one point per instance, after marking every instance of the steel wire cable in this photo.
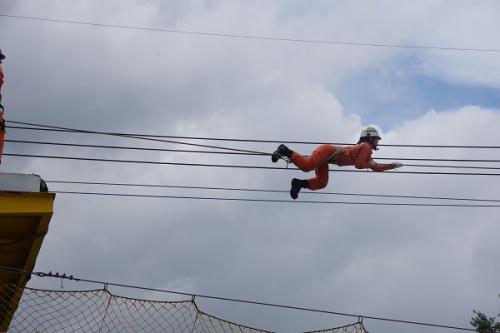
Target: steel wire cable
(227, 299)
(218, 147)
(239, 166)
(80, 145)
(255, 37)
(157, 196)
(130, 136)
(442, 166)
(133, 148)
(42, 127)
(240, 189)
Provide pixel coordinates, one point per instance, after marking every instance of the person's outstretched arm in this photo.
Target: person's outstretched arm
(379, 167)
(365, 161)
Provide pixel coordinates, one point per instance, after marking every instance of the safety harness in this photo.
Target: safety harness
(336, 155)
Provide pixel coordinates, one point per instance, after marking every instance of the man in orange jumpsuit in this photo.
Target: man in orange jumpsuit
(359, 155)
(2, 121)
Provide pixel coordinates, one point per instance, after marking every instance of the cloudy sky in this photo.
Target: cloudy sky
(430, 264)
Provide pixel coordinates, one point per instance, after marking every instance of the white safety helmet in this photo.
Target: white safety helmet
(369, 132)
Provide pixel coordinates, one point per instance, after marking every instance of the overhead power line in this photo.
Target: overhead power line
(52, 128)
(239, 166)
(65, 144)
(227, 299)
(228, 149)
(239, 189)
(258, 37)
(157, 196)
(442, 166)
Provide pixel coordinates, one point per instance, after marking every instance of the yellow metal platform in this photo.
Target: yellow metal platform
(24, 221)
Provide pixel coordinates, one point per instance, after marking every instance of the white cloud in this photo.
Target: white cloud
(427, 264)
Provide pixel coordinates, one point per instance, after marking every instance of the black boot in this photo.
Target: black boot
(297, 184)
(281, 151)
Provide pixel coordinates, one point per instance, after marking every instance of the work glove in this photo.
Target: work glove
(397, 165)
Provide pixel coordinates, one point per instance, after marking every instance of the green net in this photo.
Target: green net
(41, 310)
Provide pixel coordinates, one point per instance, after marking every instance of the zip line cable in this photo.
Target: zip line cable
(122, 135)
(51, 143)
(239, 189)
(134, 148)
(227, 299)
(216, 147)
(238, 166)
(276, 200)
(51, 128)
(257, 37)
(451, 166)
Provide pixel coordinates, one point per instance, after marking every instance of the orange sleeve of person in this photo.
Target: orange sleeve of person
(378, 167)
(364, 160)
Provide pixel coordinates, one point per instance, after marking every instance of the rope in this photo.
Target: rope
(141, 138)
(133, 148)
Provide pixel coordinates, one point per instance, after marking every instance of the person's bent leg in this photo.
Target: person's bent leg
(321, 179)
(319, 182)
(317, 161)
(319, 156)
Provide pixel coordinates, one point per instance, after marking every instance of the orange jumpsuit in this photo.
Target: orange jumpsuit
(2, 123)
(359, 155)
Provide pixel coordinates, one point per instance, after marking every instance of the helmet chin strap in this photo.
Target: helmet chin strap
(374, 146)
